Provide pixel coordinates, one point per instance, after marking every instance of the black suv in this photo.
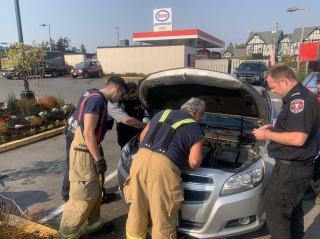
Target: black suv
(252, 72)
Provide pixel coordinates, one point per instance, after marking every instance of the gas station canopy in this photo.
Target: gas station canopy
(192, 38)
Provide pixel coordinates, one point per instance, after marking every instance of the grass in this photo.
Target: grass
(15, 227)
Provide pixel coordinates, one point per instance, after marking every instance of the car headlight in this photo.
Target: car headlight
(256, 77)
(126, 157)
(71, 70)
(244, 181)
(80, 71)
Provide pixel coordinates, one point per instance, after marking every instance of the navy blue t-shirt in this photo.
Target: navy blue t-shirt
(181, 142)
(95, 105)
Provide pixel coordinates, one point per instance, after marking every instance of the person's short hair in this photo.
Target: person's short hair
(131, 87)
(279, 71)
(194, 105)
(117, 81)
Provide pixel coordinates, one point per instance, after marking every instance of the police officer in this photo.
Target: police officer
(294, 148)
(154, 183)
(134, 108)
(114, 113)
(82, 211)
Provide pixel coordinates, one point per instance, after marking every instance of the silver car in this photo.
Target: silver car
(225, 196)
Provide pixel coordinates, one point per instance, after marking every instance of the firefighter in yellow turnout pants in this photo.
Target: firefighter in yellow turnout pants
(82, 211)
(154, 183)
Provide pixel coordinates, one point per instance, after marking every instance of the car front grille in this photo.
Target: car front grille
(189, 178)
(196, 196)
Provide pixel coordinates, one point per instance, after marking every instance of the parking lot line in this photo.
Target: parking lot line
(60, 209)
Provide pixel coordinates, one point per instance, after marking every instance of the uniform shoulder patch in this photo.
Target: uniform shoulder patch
(297, 106)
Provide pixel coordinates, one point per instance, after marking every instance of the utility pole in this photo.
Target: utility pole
(274, 40)
(16, 4)
(118, 35)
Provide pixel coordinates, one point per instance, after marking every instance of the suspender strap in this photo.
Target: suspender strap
(156, 130)
(101, 119)
(171, 132)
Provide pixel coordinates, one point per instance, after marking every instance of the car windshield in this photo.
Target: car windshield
(83, 64)
(250, 67)
(306, 81)
(223, 121)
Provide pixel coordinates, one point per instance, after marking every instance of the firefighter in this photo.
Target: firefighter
(114, 113)
(82, 211)
(154, 183)
(134, 108)
(294, 147)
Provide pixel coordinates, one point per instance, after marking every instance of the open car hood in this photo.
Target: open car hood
(222, 93)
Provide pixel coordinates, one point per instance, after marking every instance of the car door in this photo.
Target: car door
(92, 69)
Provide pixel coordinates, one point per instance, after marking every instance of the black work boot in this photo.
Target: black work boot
(84, 237)
(108, 198)
(106, 228)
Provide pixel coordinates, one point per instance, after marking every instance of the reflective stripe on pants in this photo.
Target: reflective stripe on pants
(143, 237)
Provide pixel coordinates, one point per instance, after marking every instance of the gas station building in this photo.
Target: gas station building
(161, 49)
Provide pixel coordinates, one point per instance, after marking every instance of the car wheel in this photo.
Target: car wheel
(74, 77)
(86, 75)
(100, 74)
(9, 77)
(54, 73)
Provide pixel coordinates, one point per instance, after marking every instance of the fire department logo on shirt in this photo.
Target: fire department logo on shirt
(297, 106)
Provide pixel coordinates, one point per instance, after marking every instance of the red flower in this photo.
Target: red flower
(1, 103)
(2, 111)
(70, 104)
(14, 113)
(5, 120)
(39, 105)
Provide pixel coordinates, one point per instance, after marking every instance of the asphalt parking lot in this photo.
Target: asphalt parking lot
(35, 172)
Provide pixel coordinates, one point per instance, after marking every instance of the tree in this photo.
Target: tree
(230, 46)
(27, 60)
(241, 46)
(83, 49)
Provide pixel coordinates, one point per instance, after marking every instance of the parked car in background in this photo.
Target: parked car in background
(54, 64)
(311, 82)
(252, 72)
(87, 69)
(225, 196)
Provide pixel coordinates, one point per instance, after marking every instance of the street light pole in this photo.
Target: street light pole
(44, 25)
(293, 9)
(16, 4)
(117, 35)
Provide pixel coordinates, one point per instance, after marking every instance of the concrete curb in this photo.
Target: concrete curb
(37, 137)
(33, 227)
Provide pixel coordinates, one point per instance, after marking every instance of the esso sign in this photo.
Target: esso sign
(162, 15)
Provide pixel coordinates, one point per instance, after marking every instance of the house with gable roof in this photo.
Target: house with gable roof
(262, 42)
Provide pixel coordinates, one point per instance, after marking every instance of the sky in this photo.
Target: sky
(93, 22)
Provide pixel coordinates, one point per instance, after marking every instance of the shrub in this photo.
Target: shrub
(33, 130)
(61, 101)
(32, 109)
(300, 76)
(3, 137)
(69, 67)
(50, 102)
(12, 103)
(23, 103)
(36, 121)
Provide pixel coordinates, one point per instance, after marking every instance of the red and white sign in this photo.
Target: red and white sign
(309, 51)
(162, 19)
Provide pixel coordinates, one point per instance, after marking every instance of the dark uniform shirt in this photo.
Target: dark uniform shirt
(299, 113)
(96, 105)
(135, 109)
(182, 141)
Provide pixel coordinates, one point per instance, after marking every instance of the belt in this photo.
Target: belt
(296, 163)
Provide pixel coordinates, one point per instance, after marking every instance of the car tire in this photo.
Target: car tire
(86, 75)
(74, 77)
(9, 77)
(54, 73)
(100, 74)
